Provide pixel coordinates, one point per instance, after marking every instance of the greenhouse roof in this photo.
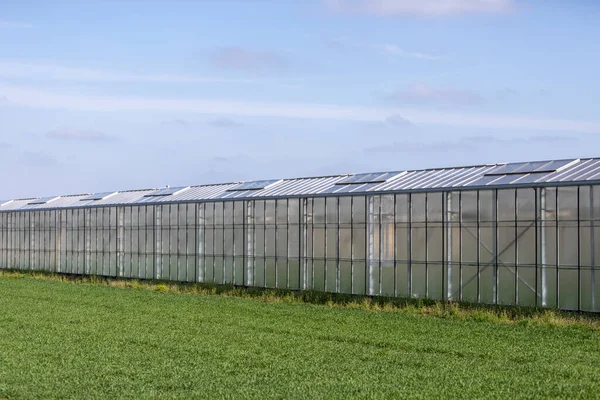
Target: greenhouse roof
(501, 175)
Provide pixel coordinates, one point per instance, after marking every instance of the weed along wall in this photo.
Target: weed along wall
(524, 233)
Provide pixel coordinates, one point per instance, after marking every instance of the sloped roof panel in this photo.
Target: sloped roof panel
(518, 174)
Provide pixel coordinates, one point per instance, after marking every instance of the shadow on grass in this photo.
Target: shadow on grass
(533, 316)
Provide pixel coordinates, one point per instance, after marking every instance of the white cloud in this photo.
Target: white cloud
(51, 72)
(34, 98)
(4, 24)
(420, 7)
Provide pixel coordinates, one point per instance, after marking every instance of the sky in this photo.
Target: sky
(111, 95)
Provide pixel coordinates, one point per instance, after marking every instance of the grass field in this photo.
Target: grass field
(73, 340)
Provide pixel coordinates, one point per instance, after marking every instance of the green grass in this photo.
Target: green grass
(62, 338)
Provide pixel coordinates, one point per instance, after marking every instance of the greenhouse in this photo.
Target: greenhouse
(512, 233)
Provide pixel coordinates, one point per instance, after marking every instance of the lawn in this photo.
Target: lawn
(69, 340)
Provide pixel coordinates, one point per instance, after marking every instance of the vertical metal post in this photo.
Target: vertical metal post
(516, 255)
(351, 244)
(395, 246)
(158, 242)
(304, 251)
(556, 247)
(337, 249)
(426, 245)
(496, 255)
(447, 229)
(301, 242)
(410, 209)
(120, 239)
(593, 248)
(371, 245)
(460, 248)
(536, 246)
(478, 250)
(380, 247)
(578, 250)
(543, 255)
(276, 229)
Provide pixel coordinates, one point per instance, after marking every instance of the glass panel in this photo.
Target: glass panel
(345, 210)
(259, 272)
(434, 242)
(219, 213)
(228, 213)
(402, 279)
(434, 207)
(294, 274)
(332, 217)
(506, 205)
(418, 207)
(319, 211)
(387, 209)
(568, 285)
(418, 247)
(434, 281)
(387, 278)
(358, 277)
(345, 244)
(358, 212)
(402, 208)
(319, 275)
(469, 282)
(487, 205)
(270, 212)
(526, 204)
(259, 212)
(419, 280)
(282, 273)
(282, 208)
(567, 203)
(345, 277)
(293, 211)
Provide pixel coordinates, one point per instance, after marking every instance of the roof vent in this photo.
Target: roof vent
(373, 177)
(254, 185)
(43, 200)
(168, 191)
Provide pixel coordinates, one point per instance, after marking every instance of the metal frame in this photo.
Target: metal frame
(81, 235)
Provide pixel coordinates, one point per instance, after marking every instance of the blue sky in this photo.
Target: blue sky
(111, 95)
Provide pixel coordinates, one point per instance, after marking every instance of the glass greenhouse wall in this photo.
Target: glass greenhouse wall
(530, 246)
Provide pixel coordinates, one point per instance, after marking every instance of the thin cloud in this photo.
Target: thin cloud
(397, 121)
(386, 49)
(42, 99)
(224, 123)
(420, 93)
(79, 135)
(5, 24)
(467, 143)
(176, 123)
(239, 58)
(427, 8)
(51, 72)
(396, 51)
